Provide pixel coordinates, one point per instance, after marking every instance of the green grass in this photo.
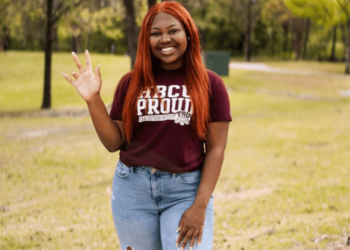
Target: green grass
(22, 79)
(284, 182)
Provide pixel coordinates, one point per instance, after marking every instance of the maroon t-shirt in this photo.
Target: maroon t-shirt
(164, 138)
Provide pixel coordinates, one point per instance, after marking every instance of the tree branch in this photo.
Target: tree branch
(58, 7)
(63, 11)
(343, 7)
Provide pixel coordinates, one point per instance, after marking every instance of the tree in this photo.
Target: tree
(344, 9)
(330, 14)
(151, 3)
(279, 17)
(131, 30)
(248, 11)
(300, 27)
(54, 11)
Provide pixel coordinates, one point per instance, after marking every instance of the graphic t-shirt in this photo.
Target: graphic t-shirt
(164, 137)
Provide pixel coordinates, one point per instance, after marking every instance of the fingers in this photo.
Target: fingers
(75, 74)
(193, 239)
(97, 71)
(186, 239)
(199, 240)
(181, 235)
(181, 224)
(68, 79)
(77, 62)
(88, 61)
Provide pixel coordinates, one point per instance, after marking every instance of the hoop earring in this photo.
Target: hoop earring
(188, 38)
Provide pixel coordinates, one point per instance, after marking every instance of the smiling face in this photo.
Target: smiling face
(168, 41)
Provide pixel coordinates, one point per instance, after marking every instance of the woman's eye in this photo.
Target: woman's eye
(155, 34)
(172, 31)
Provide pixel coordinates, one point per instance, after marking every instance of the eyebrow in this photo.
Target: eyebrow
(166, 27)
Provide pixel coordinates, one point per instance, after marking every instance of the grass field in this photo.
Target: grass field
(284, 183)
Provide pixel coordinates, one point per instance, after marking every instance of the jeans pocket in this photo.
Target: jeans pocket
(190, 177)
(122, 170)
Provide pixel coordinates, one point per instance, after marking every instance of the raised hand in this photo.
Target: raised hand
(86, 83)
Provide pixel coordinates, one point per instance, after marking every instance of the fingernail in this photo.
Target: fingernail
(182, 248)
(73, 53)
(73, 73)
(199, 243)
(177, 230)
(176, 244)
(86, 51)
(191, 248)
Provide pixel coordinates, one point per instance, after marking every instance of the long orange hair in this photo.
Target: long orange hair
(196, 77)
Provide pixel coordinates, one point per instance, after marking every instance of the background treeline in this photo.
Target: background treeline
(279, 28)
(308, 29)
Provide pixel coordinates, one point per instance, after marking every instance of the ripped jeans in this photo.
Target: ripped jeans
(147, 206)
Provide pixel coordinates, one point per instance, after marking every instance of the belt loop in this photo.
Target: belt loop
(174, 175)
(132, 170)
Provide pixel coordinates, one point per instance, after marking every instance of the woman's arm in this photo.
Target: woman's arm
(111, 133)
(214, 157)
(88, 85)
(192, 221)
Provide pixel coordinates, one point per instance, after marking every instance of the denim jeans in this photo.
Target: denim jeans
(147, 206)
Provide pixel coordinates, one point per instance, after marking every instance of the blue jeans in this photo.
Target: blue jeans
(147, 207)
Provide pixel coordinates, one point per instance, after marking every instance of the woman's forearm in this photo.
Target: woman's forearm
(210, 175)
(107, 130)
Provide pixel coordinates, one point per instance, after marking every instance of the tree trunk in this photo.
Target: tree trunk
(285, 27)
(48, 53)
(347, 48)
(306, 37)
(334, 41)
(151, 3)
(247, 37)
(347, 54)
(76, 46)
(298, 32)
(131, 30)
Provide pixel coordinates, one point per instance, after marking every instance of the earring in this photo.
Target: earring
(188, 38)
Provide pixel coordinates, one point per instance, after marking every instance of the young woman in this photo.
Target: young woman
(169, 119)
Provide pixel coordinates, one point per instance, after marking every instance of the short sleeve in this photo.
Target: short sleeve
(220, 109)
(119, 98)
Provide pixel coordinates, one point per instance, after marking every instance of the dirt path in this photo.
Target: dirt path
(261, 67)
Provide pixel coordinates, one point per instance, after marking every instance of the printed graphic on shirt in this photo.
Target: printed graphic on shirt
(175, 105)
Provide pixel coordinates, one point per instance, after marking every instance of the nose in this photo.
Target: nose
(165, 39)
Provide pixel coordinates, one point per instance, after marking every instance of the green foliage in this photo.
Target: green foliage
(323, 12)
(222, 23)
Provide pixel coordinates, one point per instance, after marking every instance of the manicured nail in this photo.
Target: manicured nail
(177, 230)
(176, 244)
(199, 243)
(73, 73)
(191, 248)
(73, 53)
(182, 248)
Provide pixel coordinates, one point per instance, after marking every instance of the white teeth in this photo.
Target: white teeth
(167, 49)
